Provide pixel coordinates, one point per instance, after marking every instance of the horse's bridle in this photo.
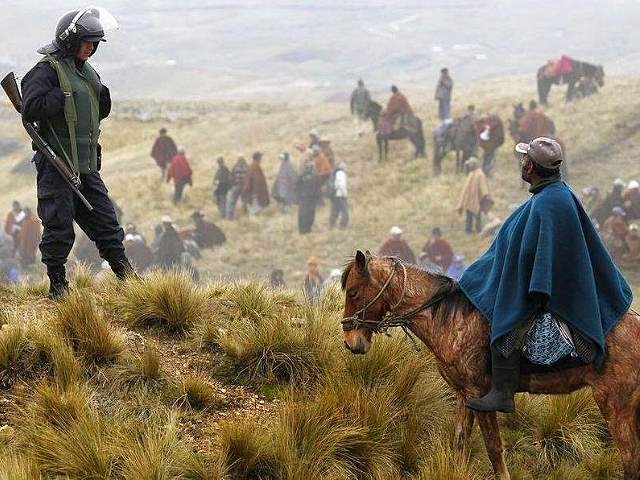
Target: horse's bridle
(390, 319)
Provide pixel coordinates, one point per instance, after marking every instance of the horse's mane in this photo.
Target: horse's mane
(453, 299)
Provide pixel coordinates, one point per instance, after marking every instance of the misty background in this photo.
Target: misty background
(285, 50)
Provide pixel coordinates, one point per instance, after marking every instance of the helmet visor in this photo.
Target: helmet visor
(97, 21)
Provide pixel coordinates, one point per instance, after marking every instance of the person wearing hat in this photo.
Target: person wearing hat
(163, 150)
(632, 200)
(167, 246)
(314, 138)
(339, 192)
(613, 199)
(284, 185)
(312, 280)
(206, 234)
(547, 261)
(444, 90)
(360, 100)
(255, 191)
(221, 185)
(396, 246)
(65, 95)
(475, 197)
(180, 172)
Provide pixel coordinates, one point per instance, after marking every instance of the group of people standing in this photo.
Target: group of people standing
(318, 176)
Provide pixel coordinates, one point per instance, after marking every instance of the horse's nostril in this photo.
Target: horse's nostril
(346, 345)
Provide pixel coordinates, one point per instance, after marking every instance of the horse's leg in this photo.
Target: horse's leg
(379, 141)
(386, 149)
(621, 415)
(488, 422)
(570, 89)
(464, 425)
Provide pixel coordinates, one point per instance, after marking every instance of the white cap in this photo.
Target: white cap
(633, 184)
(166, 219)
(336, 272)
(395, 231)
(618, 182)
(314, 132)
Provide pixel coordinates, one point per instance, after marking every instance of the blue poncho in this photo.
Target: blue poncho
(549, 245)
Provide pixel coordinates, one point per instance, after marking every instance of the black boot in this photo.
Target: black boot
(122, 268)
(505, 378)
(58, 284)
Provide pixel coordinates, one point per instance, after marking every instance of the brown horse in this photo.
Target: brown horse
(382, 292)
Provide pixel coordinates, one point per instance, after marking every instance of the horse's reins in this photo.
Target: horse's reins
(391, 319)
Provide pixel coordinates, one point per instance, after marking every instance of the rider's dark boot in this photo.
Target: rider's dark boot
(505, 378)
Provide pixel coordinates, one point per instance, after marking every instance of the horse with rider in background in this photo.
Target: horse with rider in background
(588, 77)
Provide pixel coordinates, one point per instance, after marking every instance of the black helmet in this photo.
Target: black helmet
(75, 26)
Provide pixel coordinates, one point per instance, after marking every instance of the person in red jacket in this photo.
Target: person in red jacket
(180, 171)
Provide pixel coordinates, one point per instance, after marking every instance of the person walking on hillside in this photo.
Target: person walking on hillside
(163, 150)
(13, 223)
(255, 189)
(444, 89)
(339, 204)
(180, 171)
(547, 271)
(396, 246)
(308, 190)
(238, 179)
(29, 238)
(475, 197)
(284, 186)
(222, 183)
(70, 122)
(360, 100)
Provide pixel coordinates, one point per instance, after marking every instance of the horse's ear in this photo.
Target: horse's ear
(361, 262)
(368, 255)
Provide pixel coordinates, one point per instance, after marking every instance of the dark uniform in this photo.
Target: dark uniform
(58, 206)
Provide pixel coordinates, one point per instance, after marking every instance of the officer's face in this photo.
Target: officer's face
(85, 51)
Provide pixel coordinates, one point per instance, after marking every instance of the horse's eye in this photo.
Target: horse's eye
(352, 293)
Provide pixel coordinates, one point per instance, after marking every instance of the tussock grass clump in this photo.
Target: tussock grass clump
(64, 436)
(562, 428)
(198, 394)
(82, 277)
(252, 301)
(14, 466)
(143, 370)
(166, 298)
(247, 451)
(30, 350)
(443, 462)
(79, 321)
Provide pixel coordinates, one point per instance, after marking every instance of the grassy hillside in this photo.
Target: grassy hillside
(600, 134)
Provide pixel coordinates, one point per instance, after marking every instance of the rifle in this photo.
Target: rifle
(10, 86)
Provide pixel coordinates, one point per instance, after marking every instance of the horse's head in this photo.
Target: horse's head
(599, 76)
(365, 282)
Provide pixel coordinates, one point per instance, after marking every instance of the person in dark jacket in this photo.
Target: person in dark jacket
(443, 94)
(613, 199)
(308, 188)
(221, 185)
(70, 123)
(238, 179)
(163, 150)
(168, 246)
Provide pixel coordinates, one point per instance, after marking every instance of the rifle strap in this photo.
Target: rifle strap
(70, 113)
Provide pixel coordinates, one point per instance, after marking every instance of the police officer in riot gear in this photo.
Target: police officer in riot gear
(65, 96)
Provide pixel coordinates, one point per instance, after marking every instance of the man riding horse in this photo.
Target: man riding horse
(547, 271)
(572, 72)
(398, 108)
